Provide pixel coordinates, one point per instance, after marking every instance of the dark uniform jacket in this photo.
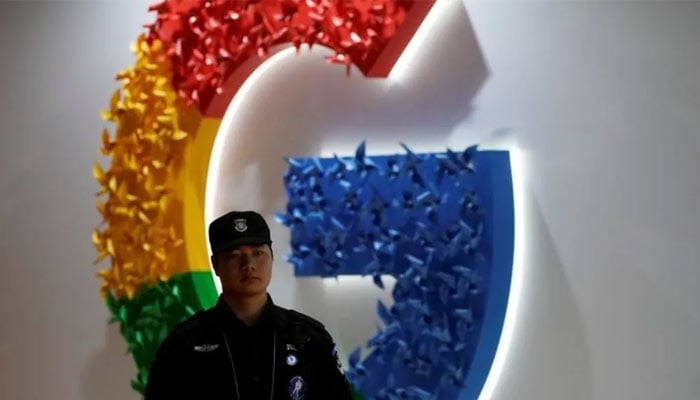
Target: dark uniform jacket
(213, 355)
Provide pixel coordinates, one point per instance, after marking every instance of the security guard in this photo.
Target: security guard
(246, 347)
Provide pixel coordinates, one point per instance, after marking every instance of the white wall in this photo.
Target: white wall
(602, 97)
(57, 66)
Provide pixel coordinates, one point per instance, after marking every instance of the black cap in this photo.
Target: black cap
(238, 228)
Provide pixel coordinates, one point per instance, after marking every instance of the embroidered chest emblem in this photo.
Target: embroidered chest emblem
(205, 348)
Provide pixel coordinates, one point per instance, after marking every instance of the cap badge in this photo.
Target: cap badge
(240, 225)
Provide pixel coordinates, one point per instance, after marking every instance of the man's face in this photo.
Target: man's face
(244, 271)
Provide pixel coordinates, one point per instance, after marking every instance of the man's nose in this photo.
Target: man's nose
(246, 260)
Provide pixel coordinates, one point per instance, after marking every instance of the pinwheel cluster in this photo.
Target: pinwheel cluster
(147, 318)
(136, 192)
(208, 39)
(416, 217)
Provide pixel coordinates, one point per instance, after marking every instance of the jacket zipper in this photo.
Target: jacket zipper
(274, 355)
(233, 365)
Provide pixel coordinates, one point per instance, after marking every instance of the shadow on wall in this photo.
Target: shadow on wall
(112, 383)
(549, 325)
(307, 108)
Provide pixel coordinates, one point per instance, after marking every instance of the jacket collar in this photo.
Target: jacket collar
(271, 316)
